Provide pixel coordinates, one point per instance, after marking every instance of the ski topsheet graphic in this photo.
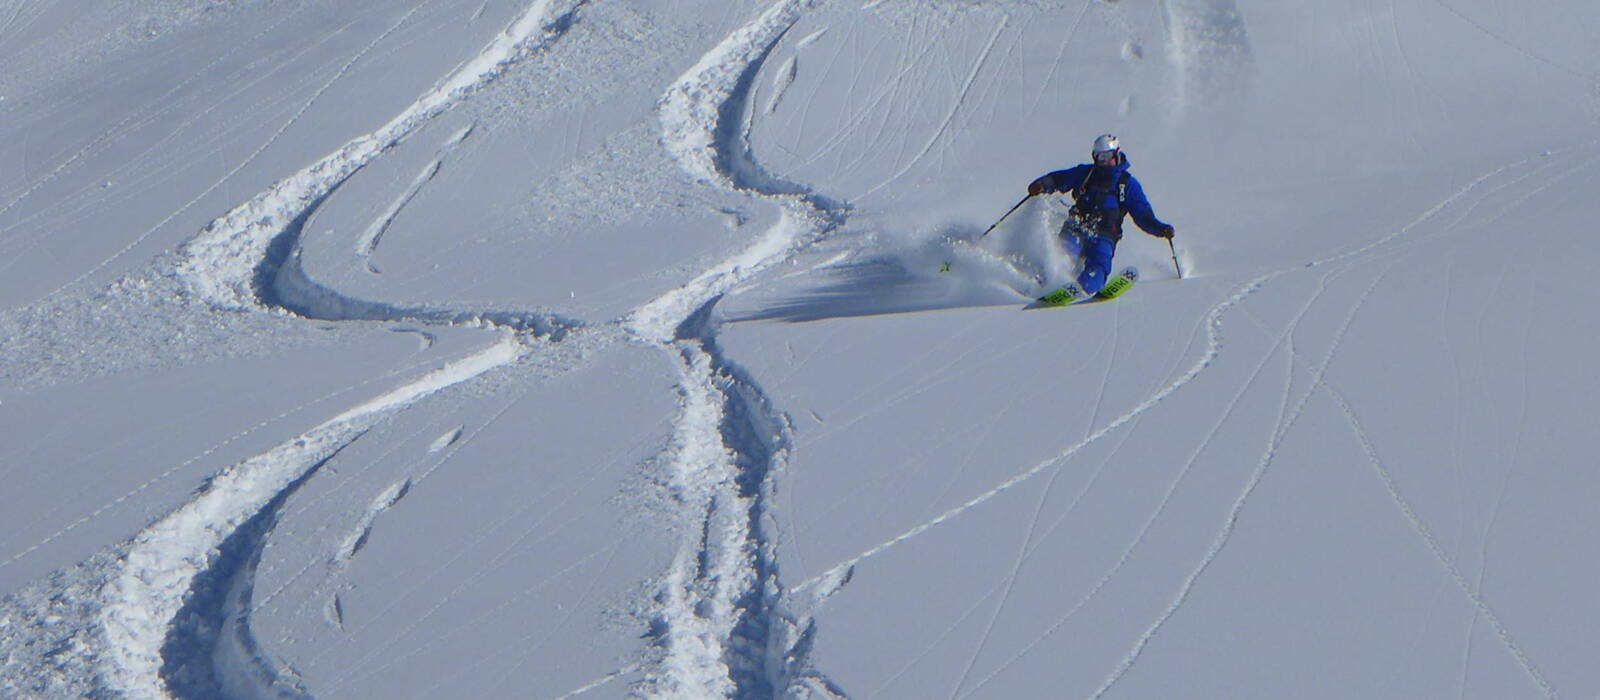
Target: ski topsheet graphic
(1071, 293)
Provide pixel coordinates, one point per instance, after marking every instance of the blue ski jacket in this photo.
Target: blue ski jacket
(1107, 193)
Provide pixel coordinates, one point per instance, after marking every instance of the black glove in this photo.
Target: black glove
(1036, 187)
(1166, 231)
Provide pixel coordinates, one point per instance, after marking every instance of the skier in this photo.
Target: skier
(1103, 192)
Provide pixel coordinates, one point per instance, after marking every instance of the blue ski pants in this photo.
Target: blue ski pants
(1097, 253)
(1094, 252)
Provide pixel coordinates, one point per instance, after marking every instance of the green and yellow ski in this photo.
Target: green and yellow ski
(1070, 293)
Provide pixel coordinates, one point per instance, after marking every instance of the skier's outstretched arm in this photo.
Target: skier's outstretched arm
(1059, 181)
(1143, 215)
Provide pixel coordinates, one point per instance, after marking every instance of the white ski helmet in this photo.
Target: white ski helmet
(1107, 143)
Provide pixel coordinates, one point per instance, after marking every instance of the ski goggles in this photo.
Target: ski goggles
(1105, 157)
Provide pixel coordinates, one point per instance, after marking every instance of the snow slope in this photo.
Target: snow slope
(554, 348)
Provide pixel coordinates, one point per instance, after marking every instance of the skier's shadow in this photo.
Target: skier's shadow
(885, 285)
(867, 288)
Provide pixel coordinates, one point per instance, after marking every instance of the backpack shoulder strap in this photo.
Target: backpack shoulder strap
(1083, 187)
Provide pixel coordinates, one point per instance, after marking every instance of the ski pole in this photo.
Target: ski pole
(1175, 264)
(1008, 215)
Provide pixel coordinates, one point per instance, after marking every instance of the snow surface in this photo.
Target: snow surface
(556, 348)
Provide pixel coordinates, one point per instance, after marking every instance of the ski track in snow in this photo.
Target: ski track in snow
(147, 162)
(825, 583)
(368, 243)
(1472, 592)
(1475, 594)
(163, 561)
(135, 118)
(239, 262)
(950, 116)
(1288, 417)
(782, 82)
(445, 440)
(534, 524)
(358, 538)
(244, 163)
(727, 628)
(220, 264)
(535, 528)
(96, 513)
(249, 260)
(1283, 338)
(137, 167)
(724, 627)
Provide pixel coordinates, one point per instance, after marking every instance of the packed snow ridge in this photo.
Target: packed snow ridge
(241, 262)
(160, 568)
(722, 621)
(220, 264)
(704, 126)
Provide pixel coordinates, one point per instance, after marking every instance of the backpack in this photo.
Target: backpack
(1086, 206)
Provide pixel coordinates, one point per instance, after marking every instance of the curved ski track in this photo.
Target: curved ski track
(203, 553)
(729, 441)
(828, 582)
(723, 616)
(723, 626)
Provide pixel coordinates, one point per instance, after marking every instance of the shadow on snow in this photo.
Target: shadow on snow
(956, 269)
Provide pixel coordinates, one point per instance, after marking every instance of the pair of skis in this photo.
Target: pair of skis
(1070, 293)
